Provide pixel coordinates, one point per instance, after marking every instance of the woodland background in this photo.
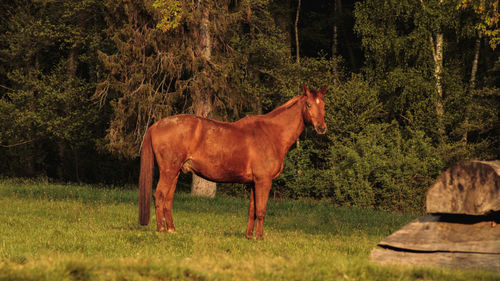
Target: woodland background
(412, 87)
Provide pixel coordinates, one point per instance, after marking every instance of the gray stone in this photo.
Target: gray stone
(471, 188)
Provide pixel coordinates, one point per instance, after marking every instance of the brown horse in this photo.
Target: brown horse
(249, 150)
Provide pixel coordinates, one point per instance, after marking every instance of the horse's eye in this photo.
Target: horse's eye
(308, 104)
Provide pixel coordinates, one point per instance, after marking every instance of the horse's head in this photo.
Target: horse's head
(314, 109)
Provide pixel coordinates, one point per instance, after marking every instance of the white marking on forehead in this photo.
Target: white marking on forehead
(317, 101)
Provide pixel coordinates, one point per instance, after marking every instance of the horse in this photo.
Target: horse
(250, 150)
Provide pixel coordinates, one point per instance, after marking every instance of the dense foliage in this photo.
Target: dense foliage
(412, 86)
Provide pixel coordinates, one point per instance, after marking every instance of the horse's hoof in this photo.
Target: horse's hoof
(171, 231)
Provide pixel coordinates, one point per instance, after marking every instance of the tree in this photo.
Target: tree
(46, 101)
(405, 45)
(488, 11)
(436, 47)
(172, 57)
(173, 13)
(393, 35)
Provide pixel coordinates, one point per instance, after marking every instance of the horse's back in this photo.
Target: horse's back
(173, 129)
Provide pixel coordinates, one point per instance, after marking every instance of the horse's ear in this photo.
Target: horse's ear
(306, 90)
(323, 90)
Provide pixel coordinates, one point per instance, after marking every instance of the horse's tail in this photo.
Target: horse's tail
(146, 179)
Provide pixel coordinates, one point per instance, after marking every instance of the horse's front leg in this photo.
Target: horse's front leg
(262, 188)
(251, 214)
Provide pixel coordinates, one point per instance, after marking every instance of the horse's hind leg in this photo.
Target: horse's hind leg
(164, 197)
(251, 214)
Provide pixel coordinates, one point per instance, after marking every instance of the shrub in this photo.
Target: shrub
(380, 167)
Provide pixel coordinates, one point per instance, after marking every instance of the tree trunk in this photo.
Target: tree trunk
(73, 61)
(472, 83)
(77, 164)
(336, 13)
(61, 167)
(437, 55)
(28, 155)
(202, 101)
(62, 145)
(201, 186)
(205, 37)
(297, 45)
(476, 60)
(29, 151)
(438, 73)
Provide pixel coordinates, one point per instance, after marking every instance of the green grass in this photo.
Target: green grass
(72, 232)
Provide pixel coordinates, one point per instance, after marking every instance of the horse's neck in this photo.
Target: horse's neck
(290, 119)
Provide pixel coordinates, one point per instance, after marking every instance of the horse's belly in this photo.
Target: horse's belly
(218, 171)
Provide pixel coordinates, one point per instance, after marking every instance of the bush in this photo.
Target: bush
(381, 168)
(302, 176)
(364, 161)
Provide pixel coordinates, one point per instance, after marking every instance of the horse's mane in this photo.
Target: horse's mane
(274, 112)
(284, 106)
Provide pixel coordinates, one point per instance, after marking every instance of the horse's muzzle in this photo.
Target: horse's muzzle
(320, 129)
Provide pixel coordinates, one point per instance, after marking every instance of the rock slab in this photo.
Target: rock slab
(448, 234)
(471, 188)
(489, 262)
(446, 240)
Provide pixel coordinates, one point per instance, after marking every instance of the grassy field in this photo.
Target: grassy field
(70, 232)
